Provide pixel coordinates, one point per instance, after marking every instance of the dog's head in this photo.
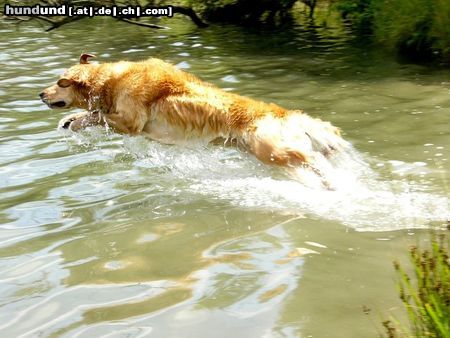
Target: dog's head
(70, 90)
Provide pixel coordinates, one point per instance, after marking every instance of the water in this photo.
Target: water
(102, 234)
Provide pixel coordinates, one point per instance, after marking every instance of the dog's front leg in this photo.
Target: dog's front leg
(125, 122)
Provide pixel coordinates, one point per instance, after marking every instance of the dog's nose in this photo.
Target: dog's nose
(41, 95)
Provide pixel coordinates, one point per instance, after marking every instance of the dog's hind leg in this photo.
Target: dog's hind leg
(270, 150)
(277, 142)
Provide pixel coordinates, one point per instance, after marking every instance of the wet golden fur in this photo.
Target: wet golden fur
(154, 98)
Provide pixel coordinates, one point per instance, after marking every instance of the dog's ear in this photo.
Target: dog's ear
(64, 82)
(84, 58)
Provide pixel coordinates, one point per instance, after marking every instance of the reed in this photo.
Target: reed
(425, 295)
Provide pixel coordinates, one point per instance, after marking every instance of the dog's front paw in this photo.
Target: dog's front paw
(79, 121)
(65, 122)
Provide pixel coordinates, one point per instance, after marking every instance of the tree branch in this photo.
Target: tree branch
(148, 25)
(66, 20)
(190, 13)
(43, 18)
(131, 20)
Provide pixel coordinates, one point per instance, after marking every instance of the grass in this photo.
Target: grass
(426, 295)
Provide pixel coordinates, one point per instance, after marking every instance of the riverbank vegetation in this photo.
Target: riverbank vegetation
(416, 29)
(426, 295)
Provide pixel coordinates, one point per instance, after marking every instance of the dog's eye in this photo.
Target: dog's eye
(63, 83)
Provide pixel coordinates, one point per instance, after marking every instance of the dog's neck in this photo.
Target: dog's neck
(94, 98)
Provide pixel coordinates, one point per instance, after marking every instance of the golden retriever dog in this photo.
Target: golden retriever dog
(155, 99)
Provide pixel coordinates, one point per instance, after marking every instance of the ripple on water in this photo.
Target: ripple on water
(230, 79)
(183, 65)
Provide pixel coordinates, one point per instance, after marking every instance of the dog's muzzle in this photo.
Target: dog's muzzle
(57, 104)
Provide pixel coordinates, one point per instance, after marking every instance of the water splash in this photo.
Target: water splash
(363, 199)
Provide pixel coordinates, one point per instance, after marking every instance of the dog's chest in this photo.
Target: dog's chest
(161, 130)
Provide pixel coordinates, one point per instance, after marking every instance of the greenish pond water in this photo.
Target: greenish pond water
(108, 235)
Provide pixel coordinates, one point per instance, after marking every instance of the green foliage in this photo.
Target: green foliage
(426, 296)
(360, 12)
(418, 29)
(440, 28)
(241, 11)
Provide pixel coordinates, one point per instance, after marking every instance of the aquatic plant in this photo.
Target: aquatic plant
(426, 295)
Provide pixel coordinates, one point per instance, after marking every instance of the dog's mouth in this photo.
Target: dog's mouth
(57, 104)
